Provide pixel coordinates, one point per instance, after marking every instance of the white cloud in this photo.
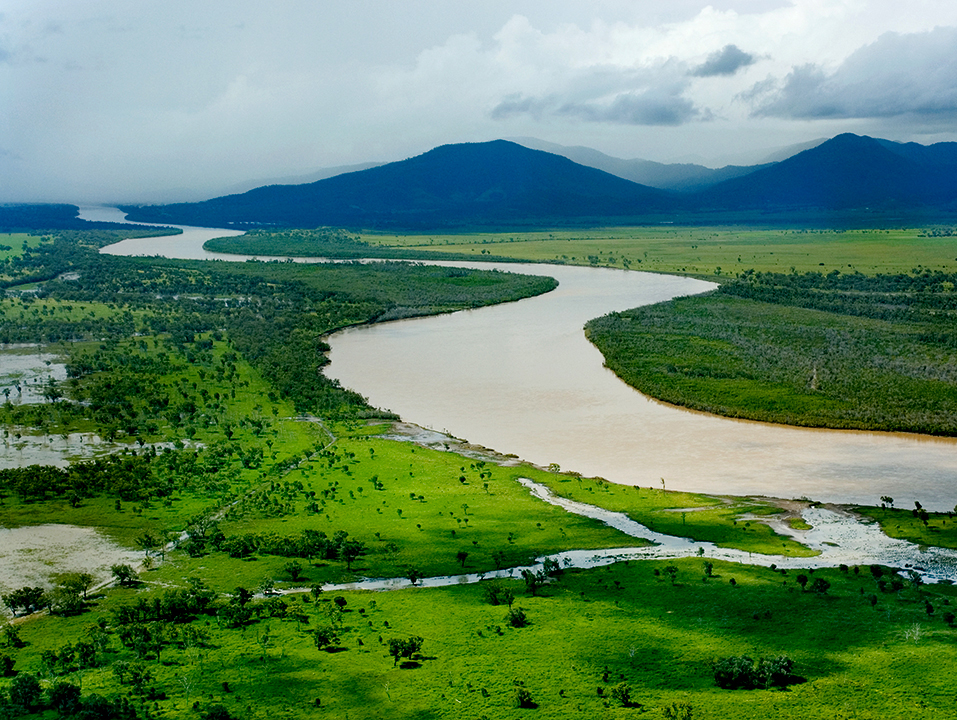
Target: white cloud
(898, 75)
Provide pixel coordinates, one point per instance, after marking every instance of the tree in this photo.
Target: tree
(802, 581)
(350, 550)
(523, 698)
(820, 586)
(294, 569)
(65, 601)
(888, 501)
(404, 648)
(65, 698)
(533, 580)
(672, 572)
(123, 574)
(325, 637)
(27, 599)
(147, 542)
(461, 556)
(25, 691)
(78, 582)
(267, 586)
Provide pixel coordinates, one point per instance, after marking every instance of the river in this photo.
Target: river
(521, 378)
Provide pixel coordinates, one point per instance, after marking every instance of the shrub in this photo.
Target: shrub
(523, 698)
(622, 693)
(516, 617)
(741, 672)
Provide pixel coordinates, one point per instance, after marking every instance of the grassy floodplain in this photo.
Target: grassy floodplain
(280, 481)
(713, 253)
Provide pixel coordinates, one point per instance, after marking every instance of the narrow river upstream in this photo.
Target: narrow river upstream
(521, 378)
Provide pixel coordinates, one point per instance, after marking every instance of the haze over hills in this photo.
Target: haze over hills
(502, 184)
(681, 177)
(312, 177)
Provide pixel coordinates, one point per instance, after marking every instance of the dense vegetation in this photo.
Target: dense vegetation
(843, 351)
(275, 314)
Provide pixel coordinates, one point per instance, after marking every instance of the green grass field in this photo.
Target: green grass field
(587, 632)
(704, 252)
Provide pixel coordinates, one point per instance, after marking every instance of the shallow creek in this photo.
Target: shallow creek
(839, 537)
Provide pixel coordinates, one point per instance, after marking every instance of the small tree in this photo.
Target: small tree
(672, 572)
(325, 637)
(25, 691)
(123, 574)
(678, 711)
(65, 698)
(622, 693)
(461, 556)
(293, 569)
(404, 648)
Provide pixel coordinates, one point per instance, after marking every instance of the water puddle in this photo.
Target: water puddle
(24, 373)
(35, 555)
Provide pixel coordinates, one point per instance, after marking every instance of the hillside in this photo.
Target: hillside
(501, 184)
(846, 172)
(493, 183)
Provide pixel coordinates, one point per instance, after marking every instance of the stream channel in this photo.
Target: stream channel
(522, 378)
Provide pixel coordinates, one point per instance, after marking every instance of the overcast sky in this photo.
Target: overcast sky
(141, 100)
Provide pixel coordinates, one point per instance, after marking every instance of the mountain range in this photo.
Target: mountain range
(502, 184)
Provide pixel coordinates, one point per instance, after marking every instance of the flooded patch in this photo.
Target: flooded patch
(25, 371)
(35, 555)
(20, 448)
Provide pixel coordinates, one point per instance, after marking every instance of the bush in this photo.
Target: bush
(741, 672)
(65, 698)
(622, 693)
(516, 617)
(523, 698)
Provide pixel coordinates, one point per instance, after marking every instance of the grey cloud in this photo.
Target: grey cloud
(650, 97)
(650, 107)
(515, 105)
(898, 75)
(726, 62)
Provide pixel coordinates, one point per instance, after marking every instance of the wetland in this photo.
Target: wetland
(256, 492)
